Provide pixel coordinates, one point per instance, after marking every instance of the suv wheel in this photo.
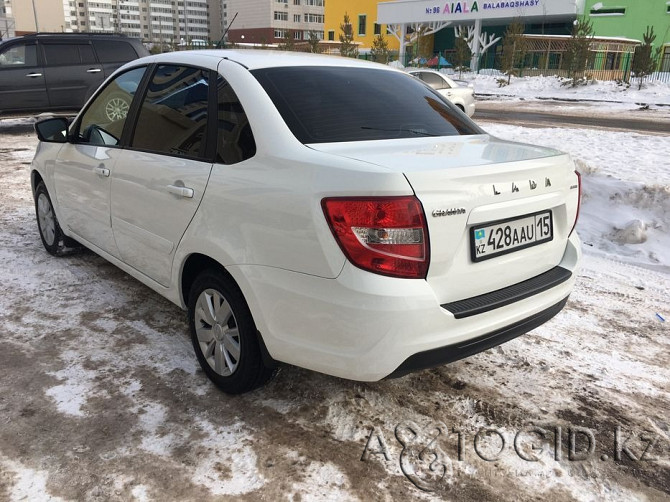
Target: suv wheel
(224, 334)
(55, 242)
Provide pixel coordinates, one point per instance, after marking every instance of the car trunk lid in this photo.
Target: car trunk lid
(466, 183)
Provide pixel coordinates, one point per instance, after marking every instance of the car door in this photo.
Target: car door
(159, 180)
(83, 168)
(71, 73)
(22, 83)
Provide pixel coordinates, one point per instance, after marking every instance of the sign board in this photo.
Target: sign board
(468, 11)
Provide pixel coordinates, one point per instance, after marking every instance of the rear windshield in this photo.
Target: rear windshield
(335, 104)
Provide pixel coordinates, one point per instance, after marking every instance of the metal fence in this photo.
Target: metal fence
(601, 66)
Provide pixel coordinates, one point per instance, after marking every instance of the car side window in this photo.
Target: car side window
(173, 116)
(111, 51)
(434, 80)
(103, 121)
(19, 55)
(235, 141)
(61, 54)
(86, 54)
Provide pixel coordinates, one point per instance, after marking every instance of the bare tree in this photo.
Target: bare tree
(416, 30)
(513, 50)
(463, 53)
(486, 40)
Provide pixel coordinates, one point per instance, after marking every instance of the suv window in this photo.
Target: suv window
(333, 104)
(112, 51)
(86, 54)
(19, 55)
(173, 117)
(235, 139)
(61, 54)
(103, 121)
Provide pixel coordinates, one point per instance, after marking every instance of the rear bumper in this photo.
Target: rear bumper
(451, 353)
(362, 326)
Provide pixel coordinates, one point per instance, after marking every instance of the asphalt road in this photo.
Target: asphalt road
(487, 112)
(496, 112)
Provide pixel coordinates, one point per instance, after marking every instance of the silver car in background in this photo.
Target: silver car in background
(462, 97)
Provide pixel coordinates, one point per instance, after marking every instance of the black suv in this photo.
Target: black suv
(60, 71)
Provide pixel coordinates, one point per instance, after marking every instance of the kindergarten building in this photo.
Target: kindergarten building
(618, 25)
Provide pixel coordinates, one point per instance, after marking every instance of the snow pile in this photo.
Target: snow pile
(625, 209)
(653, 91)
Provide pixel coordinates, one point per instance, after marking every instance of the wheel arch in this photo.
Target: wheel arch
(35, 179)
(194, 264)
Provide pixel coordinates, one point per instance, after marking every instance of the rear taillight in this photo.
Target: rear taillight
(385, 235)
(579, 202)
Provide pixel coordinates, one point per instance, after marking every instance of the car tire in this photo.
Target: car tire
(224, 334)
(117, 107)
(53, 238)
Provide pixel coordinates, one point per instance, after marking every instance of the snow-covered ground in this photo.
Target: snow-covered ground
(101, 397)
(626, 188)
(654, 92)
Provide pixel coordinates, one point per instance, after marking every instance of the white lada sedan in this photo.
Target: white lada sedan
(324, 212)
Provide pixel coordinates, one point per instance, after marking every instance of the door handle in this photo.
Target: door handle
(102, 171)
(180, 191)
(34, 75)
(93, 70)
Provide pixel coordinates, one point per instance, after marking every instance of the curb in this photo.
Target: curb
(571, 100)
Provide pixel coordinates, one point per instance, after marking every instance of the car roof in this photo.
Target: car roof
(427, 70)
(73, 35)
(254, 59)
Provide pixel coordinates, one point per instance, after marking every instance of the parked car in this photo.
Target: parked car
(60, 71)
(329, 213)
(460, 95)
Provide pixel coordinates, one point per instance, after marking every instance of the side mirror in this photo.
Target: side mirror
(53, 130)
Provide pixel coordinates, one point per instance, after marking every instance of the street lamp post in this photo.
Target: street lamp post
(37, 27)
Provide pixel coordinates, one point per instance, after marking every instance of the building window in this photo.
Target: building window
(281, 16)
(297, 35)
(282, 1)
(609, 11)
(314, 18)
(378, 29)
(296, 18)
(314, 3)
(362, 19)
(296, 2)
(280, 33)
(331, 35)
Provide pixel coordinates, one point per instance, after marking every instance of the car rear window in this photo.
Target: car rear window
(336, 104)
(111, 51)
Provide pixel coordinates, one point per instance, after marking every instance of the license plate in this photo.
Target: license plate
(513, 234)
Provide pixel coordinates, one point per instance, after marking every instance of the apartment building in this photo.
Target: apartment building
(7, 23)
(157, 21)
(268, 21)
